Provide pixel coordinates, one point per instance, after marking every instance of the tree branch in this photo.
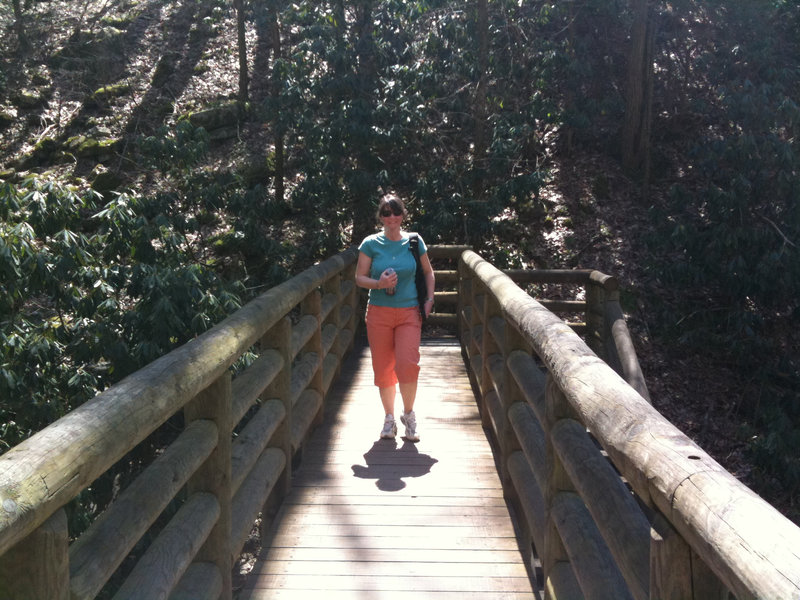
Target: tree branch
(786, 240)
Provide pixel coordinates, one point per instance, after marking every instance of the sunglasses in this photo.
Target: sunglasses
(389, 213)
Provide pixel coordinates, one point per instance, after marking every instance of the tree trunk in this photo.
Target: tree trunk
(275, 90)
(19, 27)
(569, 93)
(363, 182)
(337, 6)
(242, 44)
(639, 98)
(479, 157)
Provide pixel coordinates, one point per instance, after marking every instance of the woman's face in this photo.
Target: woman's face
(391, 216)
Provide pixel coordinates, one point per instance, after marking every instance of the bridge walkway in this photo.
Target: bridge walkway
(389, 519)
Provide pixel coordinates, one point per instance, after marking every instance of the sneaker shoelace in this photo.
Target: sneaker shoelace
(388, 425)
(410, 421)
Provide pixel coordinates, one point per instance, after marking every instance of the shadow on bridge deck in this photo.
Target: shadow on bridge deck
(383, 519)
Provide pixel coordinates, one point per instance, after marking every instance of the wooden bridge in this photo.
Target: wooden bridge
(543, 470)
(371, 518)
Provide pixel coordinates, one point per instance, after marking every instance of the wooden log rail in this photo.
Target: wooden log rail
(233, 455)
(603, 325)
(617, 502)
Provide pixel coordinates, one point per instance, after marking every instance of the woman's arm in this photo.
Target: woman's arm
(365, 281)
(430, 281)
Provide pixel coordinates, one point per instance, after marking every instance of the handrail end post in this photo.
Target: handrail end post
(37, 567)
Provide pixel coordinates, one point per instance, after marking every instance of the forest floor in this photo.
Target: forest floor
(604, 231)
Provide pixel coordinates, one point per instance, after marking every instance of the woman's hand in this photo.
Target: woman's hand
(428, 307)
(430, 281)
(387, 280)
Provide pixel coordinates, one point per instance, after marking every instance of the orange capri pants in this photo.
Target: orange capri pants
(394, 336)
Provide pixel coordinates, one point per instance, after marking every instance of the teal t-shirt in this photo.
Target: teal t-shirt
(384, 254)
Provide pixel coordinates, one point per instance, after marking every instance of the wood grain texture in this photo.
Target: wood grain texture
(249, 499)
(250, 443)
(53, 466)
(37, 568)
(371, 518)
(614, 509)
(249, 384)
(95, 555)
(170, 555)
(202, 581)
(746, 542)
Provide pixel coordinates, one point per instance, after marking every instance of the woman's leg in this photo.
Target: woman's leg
(407, 336)
(407, 340)
(380, 334)
(387, 398)
(408, 391)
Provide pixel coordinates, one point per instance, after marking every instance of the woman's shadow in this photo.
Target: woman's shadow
(389, 464)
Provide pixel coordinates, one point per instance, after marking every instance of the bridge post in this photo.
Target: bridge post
(600, 289)
(676, 571)
(214, 476)
(37, 568)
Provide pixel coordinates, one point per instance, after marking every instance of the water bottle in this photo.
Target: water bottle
(390, 291)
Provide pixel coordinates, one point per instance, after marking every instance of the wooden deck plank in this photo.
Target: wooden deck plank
(327, 497)
(336, 511)
(452, 542)
(472, 495)
(435, 555)
(378, 583)
(392, 568)
(388, 519)
(499, 523)
(398, 530)
(300, 594)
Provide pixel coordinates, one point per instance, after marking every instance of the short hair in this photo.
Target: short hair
(392, 201)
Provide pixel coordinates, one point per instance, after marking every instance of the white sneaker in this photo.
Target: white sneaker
(389, 428)
(409, 419)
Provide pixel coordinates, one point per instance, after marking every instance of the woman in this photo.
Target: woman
(386, 268)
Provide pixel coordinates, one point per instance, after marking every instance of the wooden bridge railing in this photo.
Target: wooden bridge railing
(232, 455)
(660, 519)
(618, 502)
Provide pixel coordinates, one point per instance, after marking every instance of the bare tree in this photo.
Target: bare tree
(365, 163)
(275, 90)
(639, 93)
(244, 78)
(479, 155)
(19, 26)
